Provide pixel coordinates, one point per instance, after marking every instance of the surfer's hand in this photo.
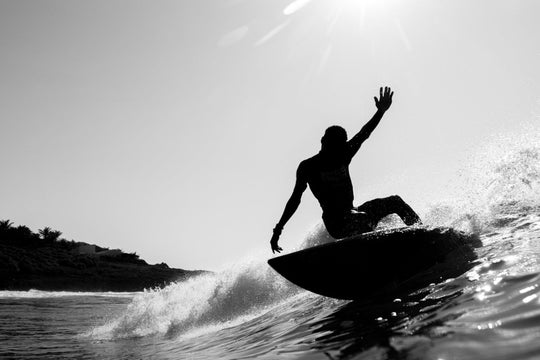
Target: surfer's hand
(274, 244)
(385, 98)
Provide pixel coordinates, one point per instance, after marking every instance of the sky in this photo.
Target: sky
(174, 128)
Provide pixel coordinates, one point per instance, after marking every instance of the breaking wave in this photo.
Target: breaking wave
(204, 300)
(492, 192)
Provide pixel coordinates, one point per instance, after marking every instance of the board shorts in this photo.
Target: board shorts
(365, 217)
(352, 222)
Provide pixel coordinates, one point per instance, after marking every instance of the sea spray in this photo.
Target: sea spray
(244, 288)
(316, 236)
(495, 182)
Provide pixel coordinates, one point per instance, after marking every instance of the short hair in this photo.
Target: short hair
(335, 135)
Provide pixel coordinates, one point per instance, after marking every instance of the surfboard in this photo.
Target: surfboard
(355, 267)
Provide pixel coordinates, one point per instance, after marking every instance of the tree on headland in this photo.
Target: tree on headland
(49, 234)
(5, 225)
(24, 232)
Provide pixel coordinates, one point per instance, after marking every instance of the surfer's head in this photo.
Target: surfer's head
(334, 139)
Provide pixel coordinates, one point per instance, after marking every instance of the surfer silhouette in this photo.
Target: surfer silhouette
(327, 175)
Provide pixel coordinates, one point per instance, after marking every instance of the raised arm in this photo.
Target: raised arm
(290, 208)
(382, 103)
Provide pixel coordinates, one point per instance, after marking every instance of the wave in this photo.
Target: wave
(247, 288)
(505, 187)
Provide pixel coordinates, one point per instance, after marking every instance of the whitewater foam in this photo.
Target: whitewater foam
(204, 300)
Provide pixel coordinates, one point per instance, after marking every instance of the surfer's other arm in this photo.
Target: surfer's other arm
(382, 103)
(290, 208)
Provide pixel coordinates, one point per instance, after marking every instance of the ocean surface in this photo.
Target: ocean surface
(491, 311)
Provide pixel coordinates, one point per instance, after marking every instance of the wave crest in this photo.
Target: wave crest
(200, 301)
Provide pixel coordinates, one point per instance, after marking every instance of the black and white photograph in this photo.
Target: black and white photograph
(270, 179)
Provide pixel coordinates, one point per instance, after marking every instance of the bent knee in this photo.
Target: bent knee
(395, 198)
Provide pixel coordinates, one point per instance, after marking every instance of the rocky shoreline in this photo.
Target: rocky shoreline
(43, 261)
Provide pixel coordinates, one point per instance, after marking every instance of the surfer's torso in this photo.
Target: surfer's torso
(330, 182)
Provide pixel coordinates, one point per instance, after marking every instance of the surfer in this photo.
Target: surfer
(327, 175)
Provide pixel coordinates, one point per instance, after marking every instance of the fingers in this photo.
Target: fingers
(276, 249)
(384, 92)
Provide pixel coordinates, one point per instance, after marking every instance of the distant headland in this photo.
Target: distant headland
(45, 261)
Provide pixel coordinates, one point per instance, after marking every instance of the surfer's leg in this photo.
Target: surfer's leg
(347, 224)
(379, 208)
(358, 223)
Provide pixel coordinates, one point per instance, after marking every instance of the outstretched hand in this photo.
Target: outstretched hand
(274, 243)
(385, 98)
